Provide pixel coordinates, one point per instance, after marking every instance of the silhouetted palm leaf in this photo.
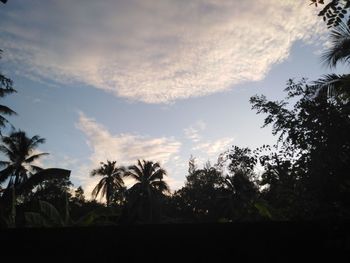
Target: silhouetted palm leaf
(34, 157)
(333, 85)
(340, 45)
(6, 88)
(5, 174)
(44, 175)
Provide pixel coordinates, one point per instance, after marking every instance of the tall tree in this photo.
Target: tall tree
(318, 130)
(240, 194)
(111, 182)
(198, 199)
(19, 149)
(144, 197)
(79, 195)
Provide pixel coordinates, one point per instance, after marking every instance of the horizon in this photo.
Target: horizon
(128, 80)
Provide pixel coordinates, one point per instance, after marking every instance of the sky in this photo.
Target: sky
(158, 80)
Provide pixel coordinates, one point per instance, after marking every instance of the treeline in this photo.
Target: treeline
(304, 176)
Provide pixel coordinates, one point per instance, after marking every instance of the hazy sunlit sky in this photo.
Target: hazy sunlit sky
(161, 80)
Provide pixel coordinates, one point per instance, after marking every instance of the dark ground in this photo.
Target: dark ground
(181, 242)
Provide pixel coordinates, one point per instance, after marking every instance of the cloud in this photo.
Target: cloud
(125, 148)
(154, 51)
(213, 148)
(204, 149)
(193, 132)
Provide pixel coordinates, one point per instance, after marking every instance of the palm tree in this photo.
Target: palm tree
(19, 149)
(6, 88)
(149, 187)
(111, 183)
(339, 51)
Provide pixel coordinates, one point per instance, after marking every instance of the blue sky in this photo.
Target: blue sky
(151, 79)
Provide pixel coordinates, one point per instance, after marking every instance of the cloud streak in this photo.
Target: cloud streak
(125, 148)
(193, 132)
(154, 51)
(214, 148)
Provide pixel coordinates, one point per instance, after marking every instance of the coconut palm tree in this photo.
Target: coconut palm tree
(20, 151)
(144, 195)
(149, 177)
(111, 182)
(6, 88)
(339, 51)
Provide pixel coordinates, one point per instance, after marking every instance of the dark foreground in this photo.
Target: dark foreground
(202, 242)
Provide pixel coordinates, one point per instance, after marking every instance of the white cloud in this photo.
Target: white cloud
(193, 132)
(125, 148)
(214, 148)
(204, 149)
(155, 51)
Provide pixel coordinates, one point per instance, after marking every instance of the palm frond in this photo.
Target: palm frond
(7, 83)
(3, 121)
(44, 175)
(161, 186)
(6, 110)
(95, 172)
(4, 163)
(158, 174)
(340, 46)
(36, 169)
(6, 173)
(35, 141)
(135, 172)
(34, 157)
(331, 83)
(100, 187)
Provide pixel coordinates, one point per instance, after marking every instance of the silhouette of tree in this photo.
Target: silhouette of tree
(197, 200)
(282, 187)
(332, 12)
(24, 193)
(6, 88)
(52, 190)
(111, 182)
(317, 129)
(145, 196)
(240, 193)
(79, 195)
(19, 148)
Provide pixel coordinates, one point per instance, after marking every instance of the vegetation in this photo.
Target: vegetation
(333, 11)
(304, 176)
(111, 185)
(6, 88)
